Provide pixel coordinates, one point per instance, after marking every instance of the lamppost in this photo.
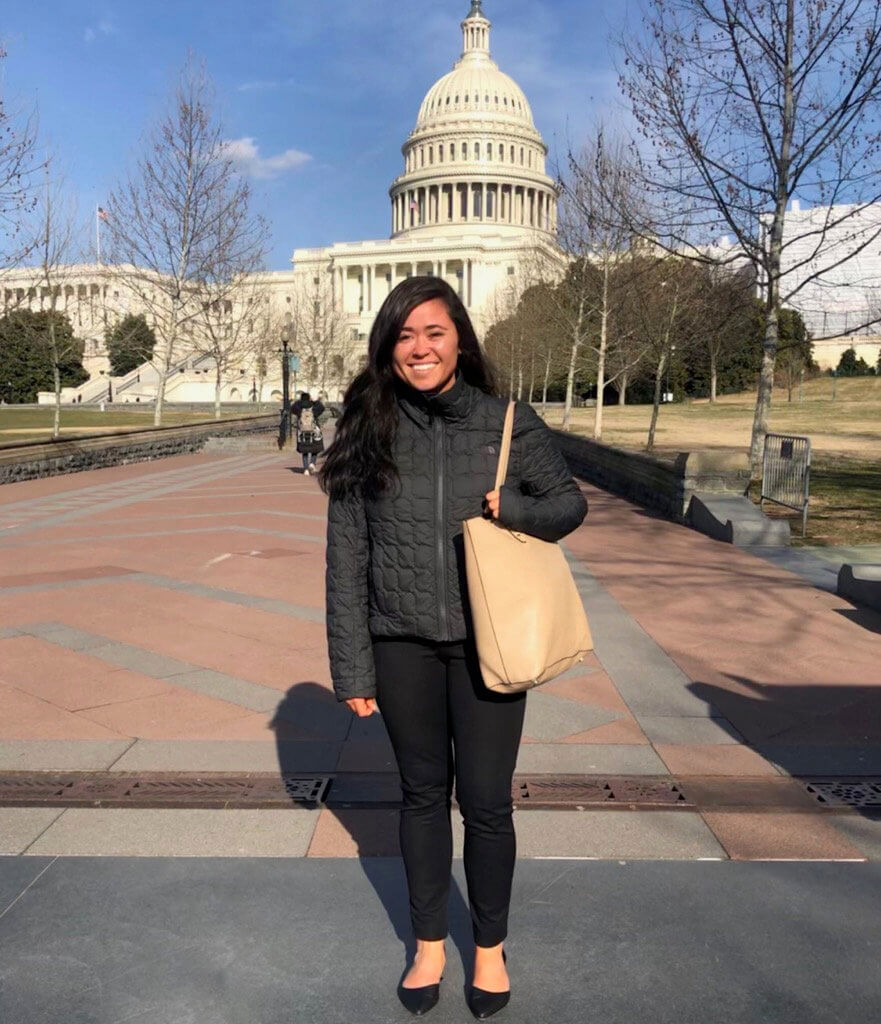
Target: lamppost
(289, 362)
(285, 386)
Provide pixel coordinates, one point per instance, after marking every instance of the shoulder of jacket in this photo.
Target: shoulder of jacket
(526, 419)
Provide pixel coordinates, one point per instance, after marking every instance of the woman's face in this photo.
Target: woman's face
(427, 349)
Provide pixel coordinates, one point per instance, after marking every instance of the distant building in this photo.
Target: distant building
(473, 205)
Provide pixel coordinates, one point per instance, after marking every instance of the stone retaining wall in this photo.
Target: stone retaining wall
(71, 455)
(663, 484)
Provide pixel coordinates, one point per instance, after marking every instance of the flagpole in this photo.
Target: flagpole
(98, 232)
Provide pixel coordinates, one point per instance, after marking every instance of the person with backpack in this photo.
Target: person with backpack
(310, 443)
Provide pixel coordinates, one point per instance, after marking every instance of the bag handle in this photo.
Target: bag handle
(504, 453)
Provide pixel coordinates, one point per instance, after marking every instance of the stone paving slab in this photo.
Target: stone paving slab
(21, 826)
(697, 730)
(863, 831)
(60, 755)
(234, 941)
(230, 755)
(585, 758)
(99, 832)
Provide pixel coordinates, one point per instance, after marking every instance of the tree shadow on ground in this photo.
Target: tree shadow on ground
(808, 731)
(311, 728)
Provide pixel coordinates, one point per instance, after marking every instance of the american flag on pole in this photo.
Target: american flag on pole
(414, 205)
(102, 213)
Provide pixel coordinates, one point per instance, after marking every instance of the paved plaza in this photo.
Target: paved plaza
(168, 617)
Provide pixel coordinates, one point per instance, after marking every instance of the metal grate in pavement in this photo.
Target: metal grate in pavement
(863, 793)
(576, 791)
(160, 789)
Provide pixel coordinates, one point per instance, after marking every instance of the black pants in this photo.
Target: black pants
(443, 722)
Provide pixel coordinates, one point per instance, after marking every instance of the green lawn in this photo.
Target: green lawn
(30, 424)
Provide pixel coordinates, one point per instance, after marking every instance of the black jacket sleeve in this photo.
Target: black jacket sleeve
(548, 503)
(348, 638)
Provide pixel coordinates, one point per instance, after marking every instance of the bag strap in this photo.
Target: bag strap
(504, 453)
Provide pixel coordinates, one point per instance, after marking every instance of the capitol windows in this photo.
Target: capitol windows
(452, 150)
(464, 150)
(512, 154)
(476, 150)
(521, 156)
(489, 151)
(431, 154)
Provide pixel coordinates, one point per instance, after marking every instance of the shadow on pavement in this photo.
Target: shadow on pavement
(310, 714)
(808, 731)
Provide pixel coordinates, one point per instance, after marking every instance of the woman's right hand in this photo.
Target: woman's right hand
(362, 706)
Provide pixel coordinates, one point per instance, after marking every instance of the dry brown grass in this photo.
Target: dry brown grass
(845, 438)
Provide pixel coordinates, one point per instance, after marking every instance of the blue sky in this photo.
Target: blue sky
(319, 94)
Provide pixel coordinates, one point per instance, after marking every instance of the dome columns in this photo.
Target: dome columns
(487, 201)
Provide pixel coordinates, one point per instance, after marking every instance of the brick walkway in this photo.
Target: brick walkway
(168, 616)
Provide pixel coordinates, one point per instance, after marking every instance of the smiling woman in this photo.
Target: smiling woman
(416, 454)
(427, 350)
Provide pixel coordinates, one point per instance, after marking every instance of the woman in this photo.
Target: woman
(415, 453)
(310, 443)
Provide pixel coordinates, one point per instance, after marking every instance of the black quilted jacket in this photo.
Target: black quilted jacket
(395, 565)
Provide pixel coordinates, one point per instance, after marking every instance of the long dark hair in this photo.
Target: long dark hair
(360, 457)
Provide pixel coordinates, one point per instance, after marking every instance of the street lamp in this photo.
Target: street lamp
(289, 362)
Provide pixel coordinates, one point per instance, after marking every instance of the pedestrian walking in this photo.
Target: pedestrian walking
(415, 453)
(310, 442)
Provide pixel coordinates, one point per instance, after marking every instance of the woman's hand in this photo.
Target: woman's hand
(491, 503)
(362, 706)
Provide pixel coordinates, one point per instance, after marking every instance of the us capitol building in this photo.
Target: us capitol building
(473, 205)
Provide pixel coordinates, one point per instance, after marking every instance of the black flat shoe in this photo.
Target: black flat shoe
(420, 1000)
(484, 1004)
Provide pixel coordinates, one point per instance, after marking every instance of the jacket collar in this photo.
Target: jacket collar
(454, 404)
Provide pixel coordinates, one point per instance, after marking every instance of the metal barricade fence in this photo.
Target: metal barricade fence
(786, 473)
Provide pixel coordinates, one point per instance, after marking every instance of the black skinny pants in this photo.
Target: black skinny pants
(444, 723)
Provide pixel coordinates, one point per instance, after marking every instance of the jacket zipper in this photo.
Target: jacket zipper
(440, 525)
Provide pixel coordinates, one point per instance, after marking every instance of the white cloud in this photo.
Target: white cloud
(104, 27)
(245, 154)
(264, 85)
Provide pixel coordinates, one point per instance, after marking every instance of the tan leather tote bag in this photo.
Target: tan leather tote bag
(529, 622)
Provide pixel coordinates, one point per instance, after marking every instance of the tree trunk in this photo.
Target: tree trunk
(218, 384)
(714, 375)
(764, 390)
(570, 385)
(544, 386)
(519, 382)
(656, 404)
(772, 326)
(622, 389)
(532, 378)
(601, 357)
(56, 420)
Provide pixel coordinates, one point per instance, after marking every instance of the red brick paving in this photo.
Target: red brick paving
(780, 659)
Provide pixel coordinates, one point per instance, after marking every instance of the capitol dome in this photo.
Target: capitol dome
(474, 157)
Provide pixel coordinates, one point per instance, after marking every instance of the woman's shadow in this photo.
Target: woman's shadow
(317, 735)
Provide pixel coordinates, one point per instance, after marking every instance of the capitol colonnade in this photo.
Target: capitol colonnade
(485, 202)
(361, 287)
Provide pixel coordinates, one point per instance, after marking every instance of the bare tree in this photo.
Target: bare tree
(20, 164)
(602, 203)
(321, 334)
(744, 105)
(180, 225)
(665, 295)
(53, 247)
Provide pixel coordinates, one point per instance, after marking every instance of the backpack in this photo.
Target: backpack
(307, 424)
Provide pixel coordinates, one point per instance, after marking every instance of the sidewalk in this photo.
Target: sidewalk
(168, 617)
